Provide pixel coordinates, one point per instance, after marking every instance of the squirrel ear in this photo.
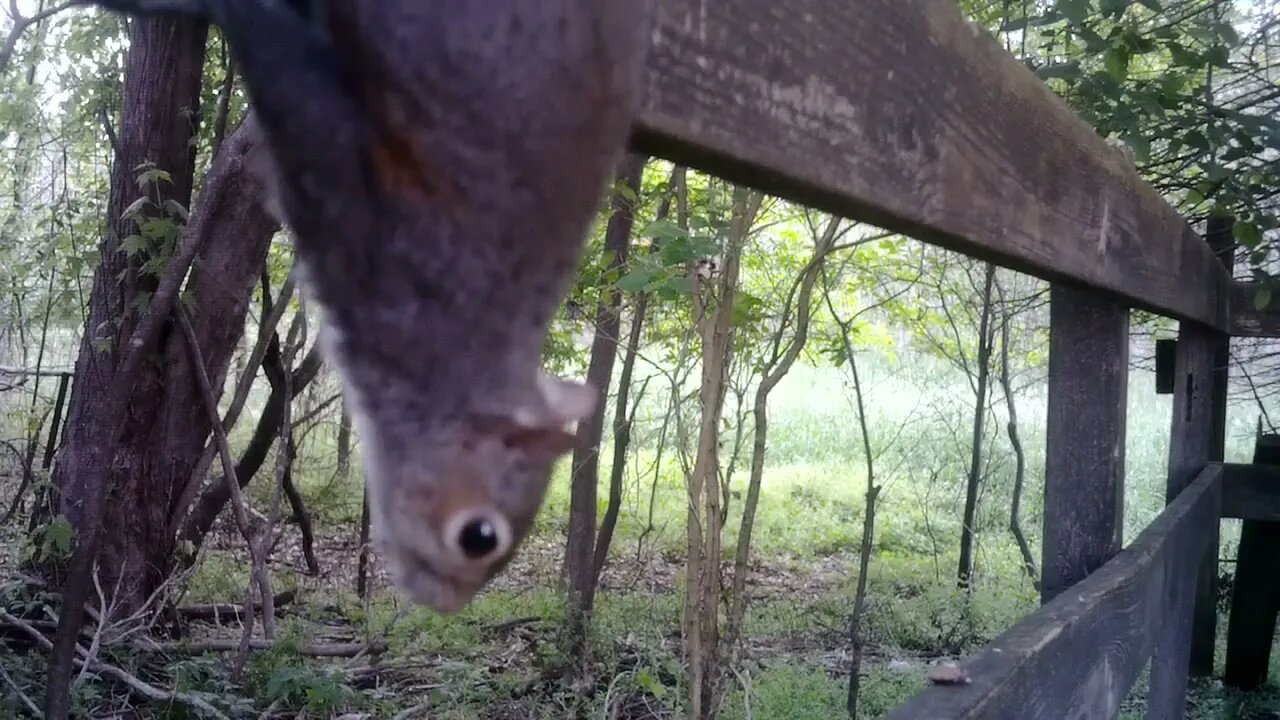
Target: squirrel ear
(566, 400)
(541, 431)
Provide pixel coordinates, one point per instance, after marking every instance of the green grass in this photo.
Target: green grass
(810, 516)
(806, 535)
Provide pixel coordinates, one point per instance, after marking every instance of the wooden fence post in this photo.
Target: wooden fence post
(1255, 600)
(1085, 435)
(1187, 644)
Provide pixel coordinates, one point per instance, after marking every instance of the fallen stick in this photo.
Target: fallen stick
(215, 611)
(342, 650)
(139, 686)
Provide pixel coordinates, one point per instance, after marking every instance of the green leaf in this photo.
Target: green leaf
(650, 684)
(1247, 234)
(175, 209)
(1218, 56)
(1152, 4)
(153, 176)
(135, 207)
(57, 536)
(1262, 298)
(636, 280)
(133, 244)
(663, 230)
(1141, 146)
(1185, 57)
(1116, 61)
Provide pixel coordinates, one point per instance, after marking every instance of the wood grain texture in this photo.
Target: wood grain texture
(1078, 656)
(903, 114)
(1191, 442)
(1085, 435)
(1221, 240)
(1250, 492)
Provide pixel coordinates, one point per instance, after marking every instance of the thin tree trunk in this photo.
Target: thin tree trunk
(773, 373)
(115, 397)
(623, 418)
(362, 571)
(300, 515)
(1015, 441)
(621, 423)
(967, 530)
(713, 310)
(585, 474)
(857, 641)
(217, 494)
(344, 442)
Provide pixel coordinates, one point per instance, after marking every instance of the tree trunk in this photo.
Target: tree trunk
(857, 639)
(585, 473)
(164, 416)
(783, 357)
(713, 311)
(621, 420)
(344, 443)
(118, 456)
(1015, 441)
(362, 569)
(974, 480)
(217, 494)
(166, 426)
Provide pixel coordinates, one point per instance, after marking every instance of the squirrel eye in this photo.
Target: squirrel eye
(479, 536)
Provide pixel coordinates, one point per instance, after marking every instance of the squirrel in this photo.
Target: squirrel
(438, 164)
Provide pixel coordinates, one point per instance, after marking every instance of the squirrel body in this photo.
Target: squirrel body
(439, 164)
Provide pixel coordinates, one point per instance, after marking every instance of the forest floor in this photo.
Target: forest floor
(502, 656)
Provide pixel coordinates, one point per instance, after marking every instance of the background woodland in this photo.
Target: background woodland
(819, 471)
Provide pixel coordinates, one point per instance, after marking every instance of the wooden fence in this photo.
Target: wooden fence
(903, 114)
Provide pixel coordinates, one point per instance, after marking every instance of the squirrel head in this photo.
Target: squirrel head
(451, 502)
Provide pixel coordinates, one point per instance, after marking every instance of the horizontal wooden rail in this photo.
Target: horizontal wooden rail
(1250, 492)
(1080, 654)
(903, 114)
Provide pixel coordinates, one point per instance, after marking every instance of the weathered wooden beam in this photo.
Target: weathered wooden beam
(1079, 655)
(904, 114)
(1220, 237)
(1250, 492)
(1246, 318)
(1255, 599)
(1085, 435)
(1191, 441)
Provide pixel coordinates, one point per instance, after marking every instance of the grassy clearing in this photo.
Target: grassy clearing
(499, 657)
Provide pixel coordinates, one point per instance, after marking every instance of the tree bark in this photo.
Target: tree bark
(585, 473)
(713, 312)
(857, 639)
(362, 569)
(621, 419)
(300, 515)
(1015, 441)
(166, 426)
(774, 370)
(217, 494)
(344, 443)
(967, 530)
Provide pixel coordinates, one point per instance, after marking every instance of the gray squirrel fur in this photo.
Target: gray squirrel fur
(439, 163)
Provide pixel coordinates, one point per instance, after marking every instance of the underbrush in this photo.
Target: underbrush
(503, 657)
